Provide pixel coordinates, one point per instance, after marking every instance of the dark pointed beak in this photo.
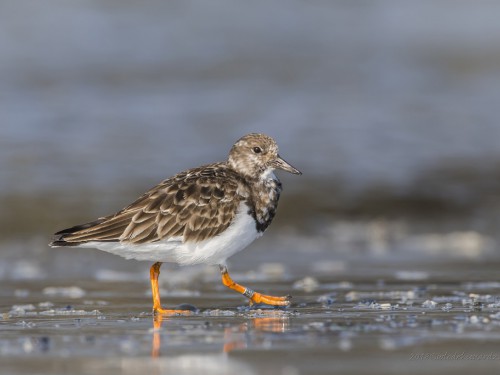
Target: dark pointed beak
(280, 163)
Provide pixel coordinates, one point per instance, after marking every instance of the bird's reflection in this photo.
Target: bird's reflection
(235, 337)
(155, 347)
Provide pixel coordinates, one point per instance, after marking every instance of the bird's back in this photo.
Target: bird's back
(192, 206)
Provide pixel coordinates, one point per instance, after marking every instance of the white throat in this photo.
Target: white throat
(268, 175)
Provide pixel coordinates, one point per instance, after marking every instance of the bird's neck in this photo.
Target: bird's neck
(263, 202)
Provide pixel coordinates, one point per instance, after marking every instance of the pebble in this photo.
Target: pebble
(307, 284)
(428, 304)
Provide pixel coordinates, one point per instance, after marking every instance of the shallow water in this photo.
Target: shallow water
(383, 317)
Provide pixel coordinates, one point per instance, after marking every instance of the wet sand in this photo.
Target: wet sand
(381, 318)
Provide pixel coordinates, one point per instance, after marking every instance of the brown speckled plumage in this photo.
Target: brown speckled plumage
(196, 204)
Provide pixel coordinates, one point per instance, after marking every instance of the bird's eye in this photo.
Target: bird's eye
(257, 150)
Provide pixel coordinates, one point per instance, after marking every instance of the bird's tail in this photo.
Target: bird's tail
(59, 238)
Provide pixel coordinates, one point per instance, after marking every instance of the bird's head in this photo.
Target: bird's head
(255, 155)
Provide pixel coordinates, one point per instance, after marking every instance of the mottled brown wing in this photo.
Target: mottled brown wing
(194, 205)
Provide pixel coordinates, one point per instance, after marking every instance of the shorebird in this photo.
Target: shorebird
(200, 216)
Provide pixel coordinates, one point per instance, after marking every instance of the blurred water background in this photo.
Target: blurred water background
(389, 108)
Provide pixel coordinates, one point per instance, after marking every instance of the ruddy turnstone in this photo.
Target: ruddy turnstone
(201, 215)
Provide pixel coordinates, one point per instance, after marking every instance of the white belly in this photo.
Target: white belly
(216, 250)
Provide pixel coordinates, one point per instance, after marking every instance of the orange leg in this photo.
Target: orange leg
(154, 272)
(249, 293)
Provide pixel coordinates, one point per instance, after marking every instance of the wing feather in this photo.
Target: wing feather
(195, 204)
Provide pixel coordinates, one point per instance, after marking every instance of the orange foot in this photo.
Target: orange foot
(170, 312)
(255, 297)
